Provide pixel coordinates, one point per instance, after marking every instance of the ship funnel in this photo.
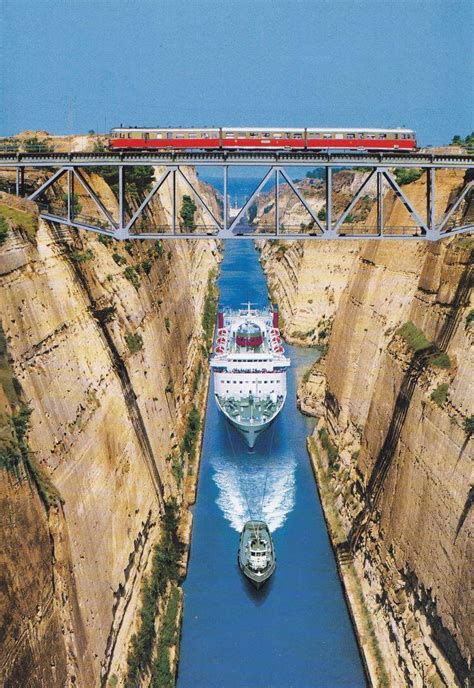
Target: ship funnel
(275, 315)
(220, 320)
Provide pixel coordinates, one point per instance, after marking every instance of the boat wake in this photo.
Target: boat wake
(253, 490)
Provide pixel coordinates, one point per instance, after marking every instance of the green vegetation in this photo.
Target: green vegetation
(405, 175)
(466, 142)
(413, 336)
(119, 259)
(164, 571)
(145, 265)
(167, 325)
(106, 240)
(322, 214)
(193, 424)
(3, 230)
(468, 425)
(134, 342)
(186, 214)
(417, 341)
(469, 317)
(82, 256)
(113, 681)
(169, 389)
(177, 467)
(329, 447)
(440, 360)
(162, 677)
(440, 394)
(20, 219)
(210, 308)
(132, 275)
(35, 145)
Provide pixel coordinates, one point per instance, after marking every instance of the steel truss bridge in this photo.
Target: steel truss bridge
(228, 224)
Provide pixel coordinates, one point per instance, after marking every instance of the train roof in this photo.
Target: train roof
(265, 129)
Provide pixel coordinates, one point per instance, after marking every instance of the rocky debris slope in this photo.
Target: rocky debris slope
(104, 340)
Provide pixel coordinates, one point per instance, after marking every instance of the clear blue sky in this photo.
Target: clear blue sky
(75, 65)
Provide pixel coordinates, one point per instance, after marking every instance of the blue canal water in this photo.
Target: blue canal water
(295, 632)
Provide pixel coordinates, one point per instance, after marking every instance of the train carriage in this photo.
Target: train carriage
(260, 138)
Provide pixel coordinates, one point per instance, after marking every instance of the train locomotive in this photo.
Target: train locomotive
(259, 138)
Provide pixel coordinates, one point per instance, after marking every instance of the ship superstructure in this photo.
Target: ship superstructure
(249, 367)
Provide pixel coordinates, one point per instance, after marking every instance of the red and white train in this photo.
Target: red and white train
(241, 138)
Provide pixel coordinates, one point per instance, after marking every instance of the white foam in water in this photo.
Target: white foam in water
(244, 483)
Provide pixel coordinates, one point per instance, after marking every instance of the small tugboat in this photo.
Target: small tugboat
(256, 556)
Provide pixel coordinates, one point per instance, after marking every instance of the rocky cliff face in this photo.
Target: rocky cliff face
(104, 340)
(394, 403)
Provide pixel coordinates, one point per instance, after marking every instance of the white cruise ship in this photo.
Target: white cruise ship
(249, 367)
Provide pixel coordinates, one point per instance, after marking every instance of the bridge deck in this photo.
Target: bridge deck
(358, 159)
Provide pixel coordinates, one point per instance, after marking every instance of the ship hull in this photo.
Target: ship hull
(250, 432)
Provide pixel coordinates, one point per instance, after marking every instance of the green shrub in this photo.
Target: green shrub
(167, 325)
(131, 274)
(119, 259)
(164, 570)
(145, 265)
(469, 317)
(82, 256)
(413, 336)
(188, 209)
(193, 424)
(468, 425)
(330, 448)
(35, 145)
(210, 308)
(322, 214)
(441, 360)
(440, 394)
(162, 676)
(405, 175)
(3, 230)
(134, 342)
(76, 205)
(106, 240)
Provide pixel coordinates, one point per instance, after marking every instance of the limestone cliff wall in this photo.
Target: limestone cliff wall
(104, 349)
(404, 460)
(306, 279)
(397, 453)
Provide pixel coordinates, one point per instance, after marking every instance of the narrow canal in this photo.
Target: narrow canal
(295, 632)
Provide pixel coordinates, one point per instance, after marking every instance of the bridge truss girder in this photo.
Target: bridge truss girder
(227, 228)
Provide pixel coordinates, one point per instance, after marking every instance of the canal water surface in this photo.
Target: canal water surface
(295, 632)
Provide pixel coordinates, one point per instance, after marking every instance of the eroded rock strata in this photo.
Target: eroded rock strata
(105, 341)
(392, 449)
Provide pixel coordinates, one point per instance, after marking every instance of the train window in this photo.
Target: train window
(327, 136)
(297, 136)
(253, 133)
(192, 135)
(266, 135)
(350, 136)
(277, 136)
(180, 136)
(383, 136)
(371, 136)
(229, 135)
(158, 136)
(406, 136)
(169, 135)
(204, 135)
